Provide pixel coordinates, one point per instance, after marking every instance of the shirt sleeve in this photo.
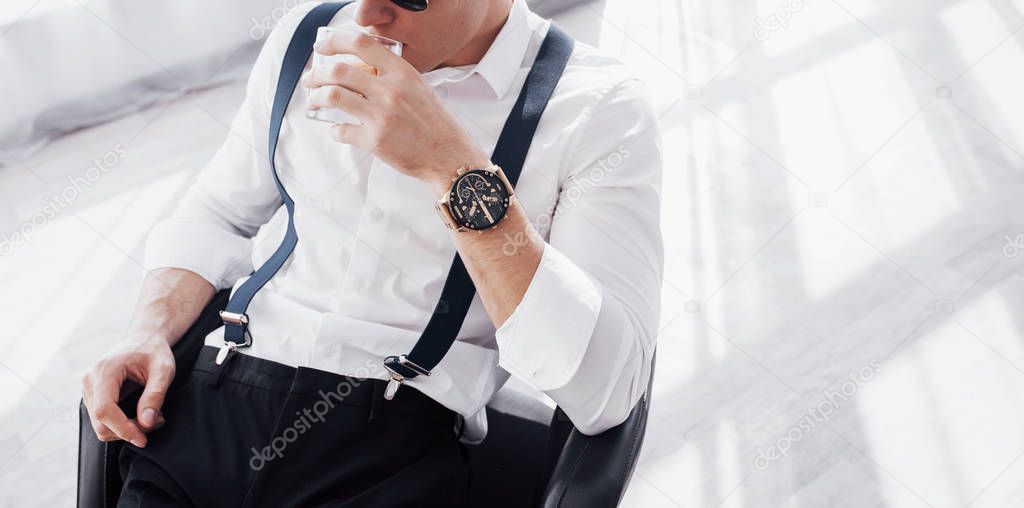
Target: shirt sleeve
(585, 330)
(210, 232)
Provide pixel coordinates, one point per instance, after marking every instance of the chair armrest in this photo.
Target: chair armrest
(593, 471)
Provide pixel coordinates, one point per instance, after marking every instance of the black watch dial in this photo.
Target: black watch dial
(478, 199)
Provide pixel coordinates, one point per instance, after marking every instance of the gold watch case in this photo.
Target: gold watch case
(443, 205)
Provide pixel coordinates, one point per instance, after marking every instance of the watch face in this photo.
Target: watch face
(478, 199)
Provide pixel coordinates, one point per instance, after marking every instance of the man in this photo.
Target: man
(567, 278)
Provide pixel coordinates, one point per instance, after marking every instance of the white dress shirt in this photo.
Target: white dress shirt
(373, 255)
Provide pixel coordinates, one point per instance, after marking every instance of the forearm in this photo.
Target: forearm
(502, 261)
(169, 302)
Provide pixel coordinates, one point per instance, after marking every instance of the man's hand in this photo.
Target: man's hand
(407, 126)
(403, 122)
(167, 307)
(149, 363)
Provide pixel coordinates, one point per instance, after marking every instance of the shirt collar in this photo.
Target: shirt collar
(500, 64)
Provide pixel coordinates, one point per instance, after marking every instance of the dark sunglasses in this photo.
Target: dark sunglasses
(412, 5)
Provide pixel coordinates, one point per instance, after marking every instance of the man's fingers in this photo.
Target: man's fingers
(353, 77)
(361, 45)
(159, 377)
(107, 412)
(103, 433)
(87, 392)
(351, 135)
(339, 98)
(110, 424)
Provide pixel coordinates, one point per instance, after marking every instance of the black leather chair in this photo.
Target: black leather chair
(532, 455)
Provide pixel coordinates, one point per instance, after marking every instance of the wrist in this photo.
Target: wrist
(445, 170)
(143, 344)
(139, 337)
(149, 333)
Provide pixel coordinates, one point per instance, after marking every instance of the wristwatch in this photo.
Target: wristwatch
(477, 200)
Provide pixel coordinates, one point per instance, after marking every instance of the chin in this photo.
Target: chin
(416, 63)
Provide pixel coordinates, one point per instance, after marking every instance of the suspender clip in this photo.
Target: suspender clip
(241, 321)
(397, 378)
(393, 384)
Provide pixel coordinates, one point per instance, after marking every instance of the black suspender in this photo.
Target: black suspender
(509, 153)
(457, 295)
(236, 321)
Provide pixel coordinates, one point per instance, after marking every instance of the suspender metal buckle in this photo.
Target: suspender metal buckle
(396, 377)
(236, 319)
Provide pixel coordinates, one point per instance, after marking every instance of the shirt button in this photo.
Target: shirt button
(376, 214)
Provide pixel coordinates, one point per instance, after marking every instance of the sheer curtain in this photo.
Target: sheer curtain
(72, 64)
(69, 64)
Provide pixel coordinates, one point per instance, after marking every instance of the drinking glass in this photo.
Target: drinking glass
(334, 115)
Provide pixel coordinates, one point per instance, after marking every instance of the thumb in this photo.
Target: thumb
(158, 380)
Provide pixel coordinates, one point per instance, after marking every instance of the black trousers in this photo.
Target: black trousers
(253, 432)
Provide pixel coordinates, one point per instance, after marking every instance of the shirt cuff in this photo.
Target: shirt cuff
(214, 254)
(544, 340)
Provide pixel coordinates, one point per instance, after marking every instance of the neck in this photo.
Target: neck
(477, 47)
